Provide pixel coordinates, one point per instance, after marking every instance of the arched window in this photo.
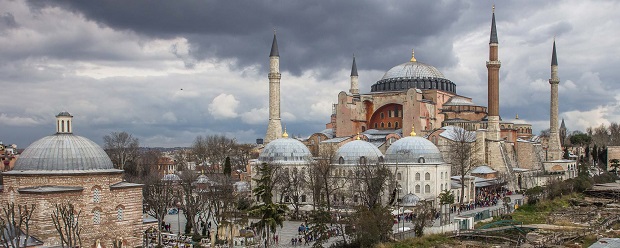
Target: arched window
(417, 177)
(341, 160)
(389, 124)
(303, 198)
(119, 213)
(442, 187)
(362, 160)
(427, 189)
(96, 195)
(63, 126)
(421, 160)
(68, 126)
(382, 115)
(375, 125)
(382, 125)
(399, 176)
(417, 188)
(396, 124)
(427, 176)
(380, 159)
(96, 216)
(363, 128)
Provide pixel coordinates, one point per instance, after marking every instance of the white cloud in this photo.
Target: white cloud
(256, 116)
(223, 106)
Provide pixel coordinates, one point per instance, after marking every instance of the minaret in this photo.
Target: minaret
(562, 133)
(354, 83)
(555, 149)
(274, 129)
(493, 84)
(64, 123)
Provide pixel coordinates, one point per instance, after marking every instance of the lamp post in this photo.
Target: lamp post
(179, 219)
(398, 189)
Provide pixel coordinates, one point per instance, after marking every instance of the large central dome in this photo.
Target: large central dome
(413, 74)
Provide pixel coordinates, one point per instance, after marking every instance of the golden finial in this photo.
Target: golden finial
(412, 56)
(517, 117)
(285, 135)
(357, 137)
(412, 130)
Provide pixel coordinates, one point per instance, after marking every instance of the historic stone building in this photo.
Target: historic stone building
(66, 168)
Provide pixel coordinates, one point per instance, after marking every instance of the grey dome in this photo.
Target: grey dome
(64, 153)
(412, 149)
(352, 152)
(64, 113)
(171, 177)
(202, 179)
(413, 70)
(410, 200)
(285, 151)
(459, 100)
(413, 75)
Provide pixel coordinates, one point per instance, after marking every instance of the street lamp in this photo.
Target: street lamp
(179, 219)
(398, 189)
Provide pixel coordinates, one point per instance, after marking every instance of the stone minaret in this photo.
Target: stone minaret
(64, 123)
(354, 83)
(274, 129)
(493, 84)
(555, 149)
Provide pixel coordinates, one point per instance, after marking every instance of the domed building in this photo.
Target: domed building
(290, 159)
(418, 166)
(66, 168)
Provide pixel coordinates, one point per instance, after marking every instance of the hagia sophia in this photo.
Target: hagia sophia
(408, 120)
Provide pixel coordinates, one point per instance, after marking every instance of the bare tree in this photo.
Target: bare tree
(66, 220)
(425, 217)
(461, 147)
(194, 202)
(241, 154)
(158, 197)
(15, 224)
(373, 181)
(121, 147)
(293, 184)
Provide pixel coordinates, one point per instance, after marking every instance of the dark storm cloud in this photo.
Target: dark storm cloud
(312, 34)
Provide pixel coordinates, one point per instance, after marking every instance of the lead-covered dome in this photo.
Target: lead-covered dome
(413, 149)
(63, 153)
(410, 200)
(358, 152)
(285, 151)
(413, 75)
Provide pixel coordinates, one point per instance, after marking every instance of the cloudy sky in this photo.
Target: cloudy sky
(167, 71)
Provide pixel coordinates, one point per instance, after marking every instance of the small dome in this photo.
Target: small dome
(285, 151)
(413, 149)
(171, 177)
(413, 70)
(63, 153)
(351, 153)
(64, 113)
(202, 179)
(410, 200)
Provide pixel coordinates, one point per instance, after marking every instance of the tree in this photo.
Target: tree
(227, 167)
(579, 139)
(158, 197)
(194, 202)
(566, 154)
(271, 214)
(445, 198)
(121, 147)
(66, 220)
(292, 184)
(222, 201)
(372, 225)
(425, 216)
(15, 224)
(461, 149)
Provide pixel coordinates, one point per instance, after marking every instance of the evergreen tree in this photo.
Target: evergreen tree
(271, 214)
(227, 167)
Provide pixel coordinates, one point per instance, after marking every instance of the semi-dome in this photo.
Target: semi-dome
(63, 153)
(171, 177)
(413, 149)
(410, 200)
(413, 74)
(285, 151)
(358, 152)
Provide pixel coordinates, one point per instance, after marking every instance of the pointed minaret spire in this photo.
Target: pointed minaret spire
(274, 46)
(554, 56)
(354, 90)
(554, 151)
(562, 126)
(493, 29)
(493, 66)
(274, 128)
(354, 67)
